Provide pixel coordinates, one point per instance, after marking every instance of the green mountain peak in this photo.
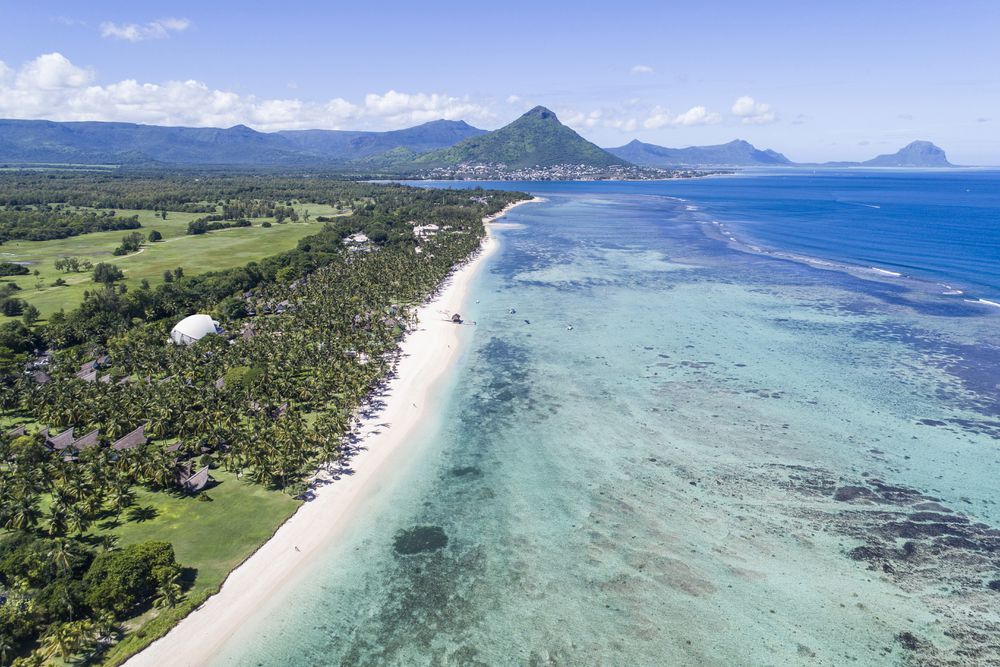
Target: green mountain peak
(536, 139)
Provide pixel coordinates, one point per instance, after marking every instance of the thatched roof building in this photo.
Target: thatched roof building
(87, 375)
(130, 440)
(60, 441)
(193, 482)
(86, 441)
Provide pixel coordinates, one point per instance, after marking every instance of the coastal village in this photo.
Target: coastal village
(560, 172)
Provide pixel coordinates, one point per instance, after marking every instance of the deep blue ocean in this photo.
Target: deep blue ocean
(940, 226)
(692, 425)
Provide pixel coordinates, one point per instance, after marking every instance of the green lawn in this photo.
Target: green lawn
(221, 249)
(211, 537)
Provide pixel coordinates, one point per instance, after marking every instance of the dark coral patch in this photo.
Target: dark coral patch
(420, 539)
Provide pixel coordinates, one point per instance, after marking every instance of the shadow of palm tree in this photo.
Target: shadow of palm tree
(188, 577)
(140, 514)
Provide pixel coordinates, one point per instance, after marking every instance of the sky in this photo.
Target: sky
(817, 81)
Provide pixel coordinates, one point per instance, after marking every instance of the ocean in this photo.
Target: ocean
(749, 420)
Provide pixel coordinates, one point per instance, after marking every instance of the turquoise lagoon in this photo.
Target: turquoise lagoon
(679, 452)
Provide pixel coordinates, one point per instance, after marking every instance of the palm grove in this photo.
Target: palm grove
(309, 333)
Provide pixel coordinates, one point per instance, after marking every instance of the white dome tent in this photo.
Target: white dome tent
(193, 328)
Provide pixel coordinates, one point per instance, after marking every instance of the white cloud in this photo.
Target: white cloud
(754, 112)
(68, 21)
(399, 107)
(133, 32)
(698, 115)
(52, 71)
(642, 69)
(513, 99)
(52, 87)
(599, 118)
(581, 120)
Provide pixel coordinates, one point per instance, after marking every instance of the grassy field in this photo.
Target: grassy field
(220, 249)
(210, 537)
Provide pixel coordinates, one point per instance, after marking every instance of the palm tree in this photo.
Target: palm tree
(106, 627)
(33, 659)
(61, 554)
(78, 521)
(6, 649)
(61, 640)
(24, 512)
(168, 593)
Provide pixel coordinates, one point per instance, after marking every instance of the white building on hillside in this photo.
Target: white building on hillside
(193, 328)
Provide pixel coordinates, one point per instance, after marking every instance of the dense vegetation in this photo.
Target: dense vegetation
(57, 222)
(310, 333)
(180, 191)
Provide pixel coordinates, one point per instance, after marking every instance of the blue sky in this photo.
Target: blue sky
(817, 81)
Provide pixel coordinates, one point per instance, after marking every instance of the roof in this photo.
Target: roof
(130, 440)
(61, 441)
(87, 376)
(195, 482)
(86, 441)
(192, 328)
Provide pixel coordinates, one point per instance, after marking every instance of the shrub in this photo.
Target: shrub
(12, 269)
(12, 307)
(107, 273)
(155, 236)
(122, 580)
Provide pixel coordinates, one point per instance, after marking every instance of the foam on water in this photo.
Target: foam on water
(729, 459)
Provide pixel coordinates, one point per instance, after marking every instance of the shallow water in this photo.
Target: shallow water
(685, 476)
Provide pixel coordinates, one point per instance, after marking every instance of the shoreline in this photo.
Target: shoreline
(427, 355)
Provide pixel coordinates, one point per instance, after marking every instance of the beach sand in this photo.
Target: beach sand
(427, 355)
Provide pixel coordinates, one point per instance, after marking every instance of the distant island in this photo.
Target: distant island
(741, 153)
(535, 146)
(736, 153)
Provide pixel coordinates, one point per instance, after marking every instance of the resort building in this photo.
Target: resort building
(193, 328)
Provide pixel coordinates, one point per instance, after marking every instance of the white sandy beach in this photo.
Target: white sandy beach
(427, 355)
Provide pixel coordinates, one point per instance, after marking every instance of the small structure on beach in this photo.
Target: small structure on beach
(193, 328)
(456, 318)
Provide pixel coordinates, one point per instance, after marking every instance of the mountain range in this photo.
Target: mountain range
(41, 141)
(536, 139)
(741, 153)
(736, 153)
